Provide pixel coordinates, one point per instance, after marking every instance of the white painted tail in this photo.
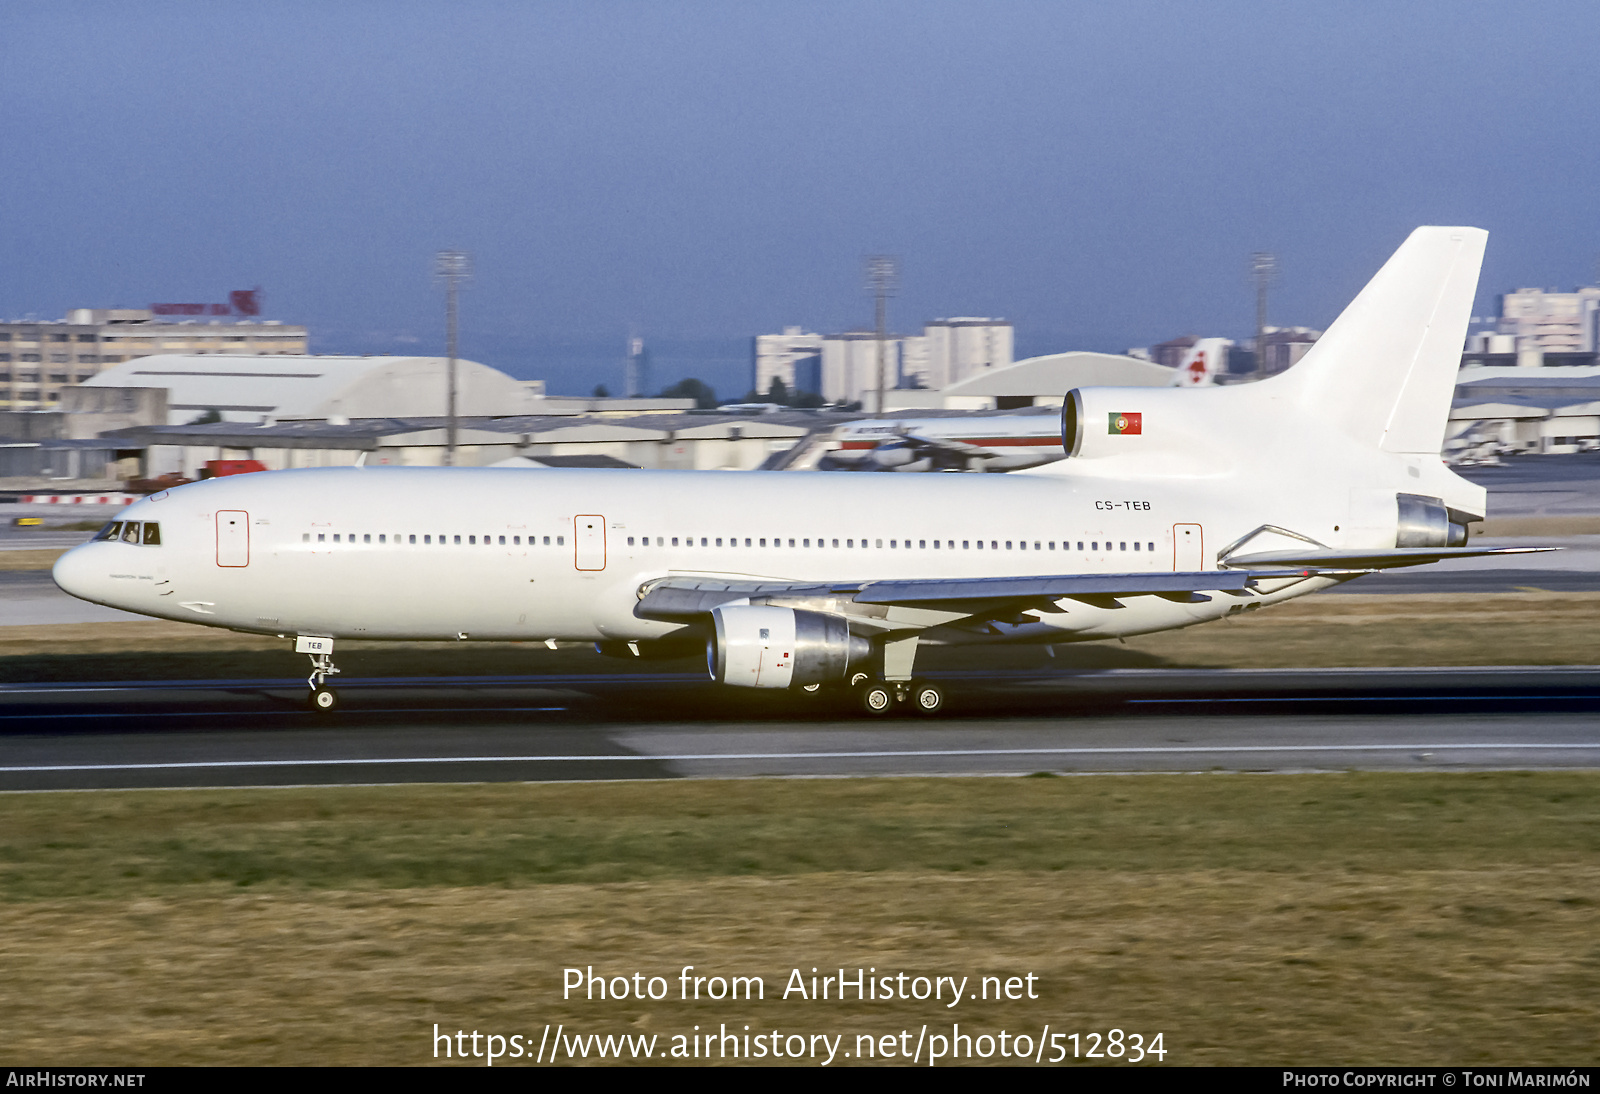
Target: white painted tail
(1385, 371)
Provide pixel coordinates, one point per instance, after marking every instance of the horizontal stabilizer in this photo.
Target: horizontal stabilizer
(1382, 559)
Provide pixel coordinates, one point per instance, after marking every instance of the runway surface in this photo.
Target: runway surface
(243, 733)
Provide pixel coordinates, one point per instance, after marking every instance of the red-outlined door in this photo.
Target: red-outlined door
(1188, 548)
(233, 537)
(589, 541)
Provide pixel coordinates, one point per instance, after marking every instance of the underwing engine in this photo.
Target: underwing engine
(766, 647)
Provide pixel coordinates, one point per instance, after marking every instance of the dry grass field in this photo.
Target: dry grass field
(1254, 919)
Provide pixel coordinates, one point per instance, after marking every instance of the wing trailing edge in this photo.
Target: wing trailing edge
(686, 597)
(1379, 559)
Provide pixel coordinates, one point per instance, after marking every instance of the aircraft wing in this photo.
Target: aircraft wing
(683, 598)
(1381, 559)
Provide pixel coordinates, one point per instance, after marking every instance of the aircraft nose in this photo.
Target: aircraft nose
(79, 573)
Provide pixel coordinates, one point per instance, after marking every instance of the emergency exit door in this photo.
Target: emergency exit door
(233, 537)
(589, 541)
(1188, 548)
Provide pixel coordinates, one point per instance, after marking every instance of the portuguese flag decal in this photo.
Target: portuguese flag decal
(1126, 423)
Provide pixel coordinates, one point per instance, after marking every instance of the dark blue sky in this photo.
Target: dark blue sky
(1098, 173)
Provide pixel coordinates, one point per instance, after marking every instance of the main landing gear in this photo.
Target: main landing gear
(884, 696)
(323, 699)
(897, 688)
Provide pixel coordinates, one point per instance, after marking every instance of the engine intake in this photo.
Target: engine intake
(760, 646)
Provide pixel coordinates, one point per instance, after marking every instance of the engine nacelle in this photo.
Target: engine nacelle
(1426, 522)
(759, 646)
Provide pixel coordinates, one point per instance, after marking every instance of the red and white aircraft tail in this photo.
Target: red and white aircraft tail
(1207, 358)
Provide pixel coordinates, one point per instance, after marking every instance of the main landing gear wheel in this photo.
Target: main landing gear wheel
(927, 698)
(324, 700)
(877, 698)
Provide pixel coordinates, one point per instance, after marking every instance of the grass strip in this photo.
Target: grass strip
(1315, 919)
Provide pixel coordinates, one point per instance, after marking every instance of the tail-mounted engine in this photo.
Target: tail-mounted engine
(1428, 522)
(766, 647)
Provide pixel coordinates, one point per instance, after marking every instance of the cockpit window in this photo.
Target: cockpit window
(111, 531)
(152, 534)
(130, 532)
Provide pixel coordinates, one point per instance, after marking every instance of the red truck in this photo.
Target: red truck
(216, 469)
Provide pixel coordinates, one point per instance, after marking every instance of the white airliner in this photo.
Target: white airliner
(1174, 507)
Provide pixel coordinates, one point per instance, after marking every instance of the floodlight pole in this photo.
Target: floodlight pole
(451, 268)
(883, 273)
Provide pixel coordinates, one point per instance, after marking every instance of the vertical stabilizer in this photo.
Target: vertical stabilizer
(1386, 370)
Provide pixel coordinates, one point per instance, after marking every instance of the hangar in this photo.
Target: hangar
(1521, 410)
(261, 390)
(1036, 381)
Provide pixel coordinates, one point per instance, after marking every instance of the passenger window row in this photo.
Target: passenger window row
(894, 544)
(428, 540)
(147, 533)
(341, 538)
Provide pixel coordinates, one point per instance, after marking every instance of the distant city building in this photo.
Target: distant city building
(794, 357)
(1285, 346)
(39, 359)
(957, 348)
(1550, 322)
(636, 372)
(850, 366)
(843, 368)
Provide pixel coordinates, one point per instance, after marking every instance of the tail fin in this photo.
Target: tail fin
(1385, 371)
(1200, 365)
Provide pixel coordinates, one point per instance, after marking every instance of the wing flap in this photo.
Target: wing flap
(1380, 559)
(679, 598)
(943, 591)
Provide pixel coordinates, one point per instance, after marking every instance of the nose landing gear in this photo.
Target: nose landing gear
(323, 699)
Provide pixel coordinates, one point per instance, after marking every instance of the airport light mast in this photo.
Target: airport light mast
(883, 277)
(451, 268)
